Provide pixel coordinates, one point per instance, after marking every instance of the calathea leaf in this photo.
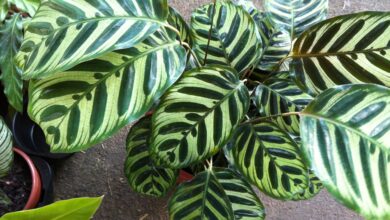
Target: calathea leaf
(201, 198)
(197, 116)
(242, 198)
(29, 6)
(313, 188)
(85, 105)
(234, 40)
(276, 97)
(296, 16)
(270, 159)
(143, 176)
(66, 33)
(345, 138)
(11, 37)
(6, 154)
(3, 10)
(343, 50)
(177, 21)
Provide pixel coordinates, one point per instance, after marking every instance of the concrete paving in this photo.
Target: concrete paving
(99, 171)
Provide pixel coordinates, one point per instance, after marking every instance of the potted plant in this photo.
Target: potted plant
(289, 100)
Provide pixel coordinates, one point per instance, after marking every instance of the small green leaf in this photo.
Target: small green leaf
(11, 36)
(345, 139)
(143, 176)
(3, 10)
(75, 209)
(197, 116)
(6, 154)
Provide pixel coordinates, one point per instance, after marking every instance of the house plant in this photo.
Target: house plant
(315, 91)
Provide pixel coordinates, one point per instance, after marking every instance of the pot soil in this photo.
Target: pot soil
(22, 185)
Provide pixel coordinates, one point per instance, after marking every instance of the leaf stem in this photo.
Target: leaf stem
(271, 116)
(210, 31)
(170, 27)
(192, 53)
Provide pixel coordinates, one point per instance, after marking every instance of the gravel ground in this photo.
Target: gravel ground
(99, 171)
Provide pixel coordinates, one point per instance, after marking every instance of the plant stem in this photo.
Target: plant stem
(192, 53)
(210, 31)
(170, 27)
(271, 116)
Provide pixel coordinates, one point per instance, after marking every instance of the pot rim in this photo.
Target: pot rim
(36, 184)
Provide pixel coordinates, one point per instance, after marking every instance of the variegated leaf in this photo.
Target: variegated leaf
(296, 16)
(29, 6)
(6, 154)
(11, 36)
(279, 96)
(342, 50)
(270, 159)
(201, 198)
(234, 40)
(143, 176)
(313, 188)
(345, 138)
(90, 102)
(66, 33)
(242, 198)
(197, 115)
(177, 21)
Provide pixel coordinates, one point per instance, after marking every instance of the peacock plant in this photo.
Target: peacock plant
(281, 99)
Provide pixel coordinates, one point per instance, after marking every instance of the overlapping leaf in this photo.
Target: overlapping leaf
(66, 33)
(88, 103)
(242, 198)
(296, 16)
(29, 6)
(201, 198)
(6, 154)
(314, 187)
(177, 21)
(197, 115)
(346, 140)
(11, 37)
(234, 40)
(279, 96)
(270, 159)
(143, 176)
(347, 49)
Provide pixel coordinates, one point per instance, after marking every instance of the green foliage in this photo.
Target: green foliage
(29, 6)
(6, 154)
(75, 209)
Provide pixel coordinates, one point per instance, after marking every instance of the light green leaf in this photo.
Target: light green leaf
(296, 16)
(3, 10)
(11, 36)
(280, 96)
(242, 198)
(177, 21)
(345, 138)
(234, 38)
(143, 176)
(75, 209)
(270, 159)
(201, 198)
(6, 154)
(88, 103)
(66, 33)
(29, 6)
(197, 116)
(342, 50)
(313, 188)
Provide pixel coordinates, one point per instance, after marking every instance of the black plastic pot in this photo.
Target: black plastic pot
(30, 138)
(46, 173)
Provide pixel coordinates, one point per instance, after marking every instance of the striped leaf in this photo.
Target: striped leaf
(66, 33)
(234, 40)
(313, 188)
(197, 116)
(85, 105)
(201, 198)
(281, 96)
(242, 198)
(296, 16)
(29, 6)
(11, 37)
(143, 176)
(343, 50)
(270, 159)
(177, 21)
(345, 137)
(6, 154)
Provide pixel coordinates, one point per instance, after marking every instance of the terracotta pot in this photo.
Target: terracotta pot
(184, 176)
(36, 185)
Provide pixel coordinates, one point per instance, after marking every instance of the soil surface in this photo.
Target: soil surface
(99, 171)
(17, 186)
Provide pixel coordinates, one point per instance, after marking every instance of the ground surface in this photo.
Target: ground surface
(99, 171)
